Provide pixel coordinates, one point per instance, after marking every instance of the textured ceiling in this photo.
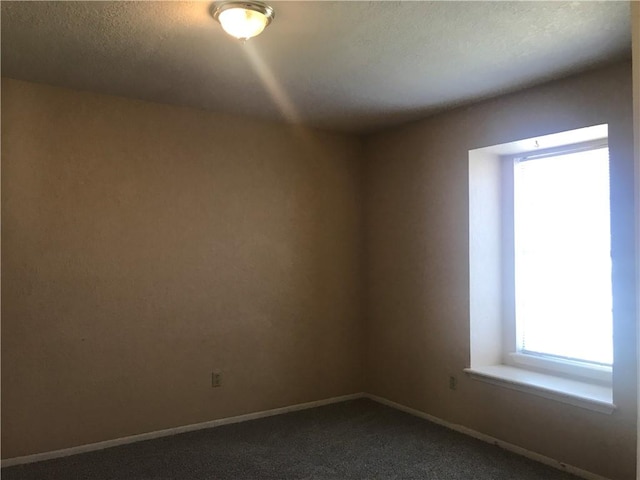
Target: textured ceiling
(347, 66)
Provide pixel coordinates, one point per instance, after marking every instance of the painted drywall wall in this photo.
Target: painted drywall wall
(416, 211)
(635, 31)
(145, 246)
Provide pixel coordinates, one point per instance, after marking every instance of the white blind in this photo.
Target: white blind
(563, 256)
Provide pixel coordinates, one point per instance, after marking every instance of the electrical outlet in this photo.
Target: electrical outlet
(216, 379)
(453, 382)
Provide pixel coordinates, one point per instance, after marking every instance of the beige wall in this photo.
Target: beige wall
(418, 270)
(146, 245)
(635, 30)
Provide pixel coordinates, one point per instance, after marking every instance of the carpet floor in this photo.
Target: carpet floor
(358, 439)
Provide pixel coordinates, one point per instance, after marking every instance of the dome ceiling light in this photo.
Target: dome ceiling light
(243, 20)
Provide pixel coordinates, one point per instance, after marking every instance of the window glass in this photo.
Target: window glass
(562, 247)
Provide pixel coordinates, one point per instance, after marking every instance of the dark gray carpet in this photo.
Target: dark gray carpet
(360, 439)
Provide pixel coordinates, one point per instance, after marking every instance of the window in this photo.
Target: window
(540, 265)
(562, 260)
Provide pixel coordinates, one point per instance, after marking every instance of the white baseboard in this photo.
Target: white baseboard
(486, 438)
(91, 447)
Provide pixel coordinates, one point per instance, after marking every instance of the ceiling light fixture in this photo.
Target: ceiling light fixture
(243, 20)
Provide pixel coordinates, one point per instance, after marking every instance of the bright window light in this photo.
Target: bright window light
(563, 255)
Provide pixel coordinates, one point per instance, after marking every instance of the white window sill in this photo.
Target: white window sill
(582, 394)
